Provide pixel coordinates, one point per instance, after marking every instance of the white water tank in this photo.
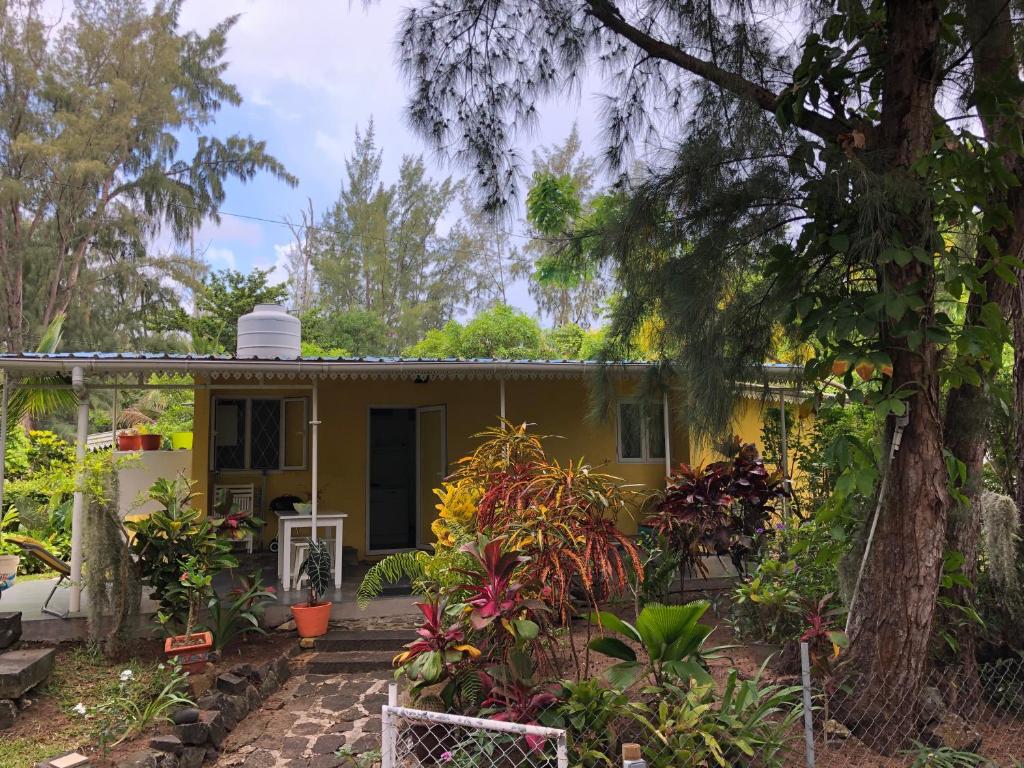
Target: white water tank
(269, 332)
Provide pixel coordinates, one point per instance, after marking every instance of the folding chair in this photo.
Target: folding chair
(32, 548)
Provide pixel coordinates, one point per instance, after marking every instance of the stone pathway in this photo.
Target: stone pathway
(314, 721)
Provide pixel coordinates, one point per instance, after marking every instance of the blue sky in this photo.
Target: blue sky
(310, 72)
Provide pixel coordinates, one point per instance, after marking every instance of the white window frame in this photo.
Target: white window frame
(645, 436)
(247, 434)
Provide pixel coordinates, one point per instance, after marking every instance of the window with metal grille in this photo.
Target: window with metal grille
(259, 434)
(641, 431)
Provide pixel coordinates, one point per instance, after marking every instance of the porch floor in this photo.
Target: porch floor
(28, 595)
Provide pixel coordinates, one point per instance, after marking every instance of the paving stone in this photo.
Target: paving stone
(294, 746)
(306, 729)
(328, 744)
(352, 713)
(372, 725)
(339, 702)
(261, 758)
(23, 670)
(326, 761)
(366, 743)
(343, 726)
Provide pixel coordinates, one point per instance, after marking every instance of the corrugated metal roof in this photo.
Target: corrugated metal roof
(221, 366)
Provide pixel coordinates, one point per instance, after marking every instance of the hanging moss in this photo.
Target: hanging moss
(1000, 528)
(109, 574)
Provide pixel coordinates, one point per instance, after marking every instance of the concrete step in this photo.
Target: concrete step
(364, 640)
(349, 662)
(23, 670)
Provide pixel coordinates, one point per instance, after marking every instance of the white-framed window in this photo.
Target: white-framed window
(258, 433)
(641, 431)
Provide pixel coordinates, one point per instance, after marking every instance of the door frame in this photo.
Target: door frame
(417, 409)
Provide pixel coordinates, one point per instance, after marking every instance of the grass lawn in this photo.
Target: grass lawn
(51, 726)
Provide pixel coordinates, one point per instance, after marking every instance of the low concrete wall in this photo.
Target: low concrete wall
(149, 467)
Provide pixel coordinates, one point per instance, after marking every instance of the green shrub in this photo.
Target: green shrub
(170, 536)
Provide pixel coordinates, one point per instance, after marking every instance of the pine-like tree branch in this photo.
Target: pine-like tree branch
(606, 13)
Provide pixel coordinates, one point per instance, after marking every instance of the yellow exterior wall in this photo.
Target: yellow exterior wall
(556, 406)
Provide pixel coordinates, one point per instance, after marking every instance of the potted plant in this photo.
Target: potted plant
(313, 616)
(148, 440)
(129, 440)
(192, 649)
(8, 571)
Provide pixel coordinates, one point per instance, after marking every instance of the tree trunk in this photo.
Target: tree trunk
(891, 624)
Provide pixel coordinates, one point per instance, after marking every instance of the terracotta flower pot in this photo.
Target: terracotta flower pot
(311, 620)
(129, 442)
(151, 442)
(192, 654)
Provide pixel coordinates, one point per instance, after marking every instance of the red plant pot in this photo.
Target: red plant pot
(193, 653)
(129, 442)
(151, 442)
(311, 620)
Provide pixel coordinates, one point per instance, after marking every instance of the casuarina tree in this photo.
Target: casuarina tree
(831, 187)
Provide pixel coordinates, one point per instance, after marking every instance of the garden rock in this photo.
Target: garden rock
(10, 628)
(288, 626)
(209, 727)
(67, 760)
(186, 715)
(191, 757)
(23, 670)
(252, 696)
(8, 713)
(141, 759)
(836, 730)
(167, 743)
(231, 683)
(269, 683)
(282, 669)
(954, 733)
(933, 706)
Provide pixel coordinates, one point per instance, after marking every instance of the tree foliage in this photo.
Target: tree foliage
(93, 114)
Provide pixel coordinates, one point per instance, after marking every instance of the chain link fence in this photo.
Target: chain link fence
(959, 717)
(414, 738)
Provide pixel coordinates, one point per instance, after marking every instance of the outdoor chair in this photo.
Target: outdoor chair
(237, 499)
(34, 549)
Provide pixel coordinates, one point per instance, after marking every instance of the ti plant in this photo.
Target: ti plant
(437, 654)
(514, 694)
(494, 592)
(672, 639)
(317, 568)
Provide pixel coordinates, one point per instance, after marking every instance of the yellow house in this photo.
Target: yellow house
(370, 438)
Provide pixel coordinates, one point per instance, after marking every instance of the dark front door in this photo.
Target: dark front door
(393, 492)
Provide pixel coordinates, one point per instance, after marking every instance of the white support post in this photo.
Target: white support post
(805, 674)
(668, 433)
(314, 424)
(78, 504)
(501, 383)
(783, 449)
(389, 730)
(4, 396)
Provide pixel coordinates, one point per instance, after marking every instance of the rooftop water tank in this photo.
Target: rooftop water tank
(269, 332)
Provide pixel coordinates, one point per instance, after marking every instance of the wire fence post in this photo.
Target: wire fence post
(389, 729)
(631, 756)
(805, 673)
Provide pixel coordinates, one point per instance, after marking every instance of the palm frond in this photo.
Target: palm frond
(390, 570)
(40, 395)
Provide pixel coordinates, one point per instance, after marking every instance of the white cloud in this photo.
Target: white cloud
(279, 267)
(220, 258)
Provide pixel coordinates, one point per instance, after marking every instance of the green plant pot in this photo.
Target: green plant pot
(181, 441)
